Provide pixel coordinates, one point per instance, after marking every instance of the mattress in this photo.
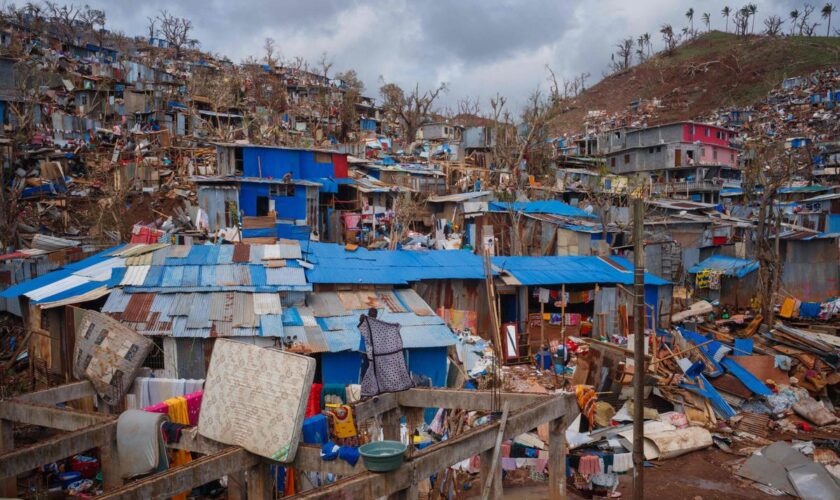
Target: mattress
(256, 398)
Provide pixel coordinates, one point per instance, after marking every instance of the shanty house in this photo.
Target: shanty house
(730, 280)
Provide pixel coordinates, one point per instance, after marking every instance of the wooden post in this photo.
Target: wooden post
(260, 482)
(542, 325)
(236, 486)
(638, 347)
(486, 458)
(110, 461)
(8, 486)
(563, 314)
(557, 459)
(391, 425)
(496, 457)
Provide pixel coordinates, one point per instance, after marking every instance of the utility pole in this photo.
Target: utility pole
(638, 345)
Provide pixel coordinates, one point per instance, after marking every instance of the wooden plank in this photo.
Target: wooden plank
(430, 460)
(259, 481)
(60, 394)
(186, 477)
(307, 457)
(52, 450)
(374, 406)
(486, 464)
(64, 419)
(464, 399)
(495, 458)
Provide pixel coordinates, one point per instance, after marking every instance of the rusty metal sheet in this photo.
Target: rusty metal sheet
(414, 302)
(138, 307)
(392, 302)
(241, 253)
(221, 306)
(243, 310)
(326, 304)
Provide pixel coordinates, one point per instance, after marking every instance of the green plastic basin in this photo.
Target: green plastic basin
(382, 456)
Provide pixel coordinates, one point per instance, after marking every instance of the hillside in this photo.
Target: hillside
(716, 69)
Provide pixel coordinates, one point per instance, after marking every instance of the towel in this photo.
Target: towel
(334, 394)
(622, 462)
(178, 413)
(194, 406)
(313, 404)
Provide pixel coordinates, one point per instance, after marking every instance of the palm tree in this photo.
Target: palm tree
(707, 20)
(725, 13)
(827, 10)
(752, 9)
(794, 15)
(646, 39)
(690, 15)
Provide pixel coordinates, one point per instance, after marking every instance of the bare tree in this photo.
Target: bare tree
(624, 53)
(669, 37)
(409, 109)
(804, 23)
(151, 26)
(176, 30)
(65, 17)
(91, 18)
(268, 50)
(348, 116)
(773, 26)
(772, 168)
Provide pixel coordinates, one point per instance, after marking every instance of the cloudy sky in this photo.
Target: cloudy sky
(478, 47)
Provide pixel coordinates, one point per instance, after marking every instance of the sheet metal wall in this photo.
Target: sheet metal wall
(810, 271)
(465, 295)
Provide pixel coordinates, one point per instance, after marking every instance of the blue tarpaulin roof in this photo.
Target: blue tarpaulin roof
(553, 207)
(570, 270)
(333, 264)
(730, 266)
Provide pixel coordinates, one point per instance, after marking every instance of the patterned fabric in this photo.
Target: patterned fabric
(256, 398)
(387, 371)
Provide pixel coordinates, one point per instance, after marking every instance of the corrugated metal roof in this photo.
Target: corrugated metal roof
(173, 276)
(57, 287)
(414, 302)
(256, 253)
(267, 303)
(243, 310)
(271, 325)
(116, 302)
(140, 260)
(225, 254)
(135, 275)
(241, 252)
(258, 275)
(325, 304)
(183, 304)
(285, 276)
(154, 276)
(101, 271)
(554, 207)
(180, 251)
(199, 316)
(221, 306)
(190, 277)
(138, 307)
(570, 269)
(51, 243)
(207, 276)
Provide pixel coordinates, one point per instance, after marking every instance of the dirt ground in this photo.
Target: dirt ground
(698, 475)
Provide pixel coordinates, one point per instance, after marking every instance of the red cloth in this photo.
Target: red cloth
(194, 406)
(158, 408)
(313, 406)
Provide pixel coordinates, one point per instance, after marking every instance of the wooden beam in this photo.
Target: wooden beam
(307, 457)
(465, 399)
(430, 460)
(52, 450)
(60, 394)
(374, 406)
(495, 459)
(186, 477)
(64, 419)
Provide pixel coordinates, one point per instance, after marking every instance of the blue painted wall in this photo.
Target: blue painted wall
(341, 367)
(652, 298)
(287, 207)
(276, 163)
(431, 362)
